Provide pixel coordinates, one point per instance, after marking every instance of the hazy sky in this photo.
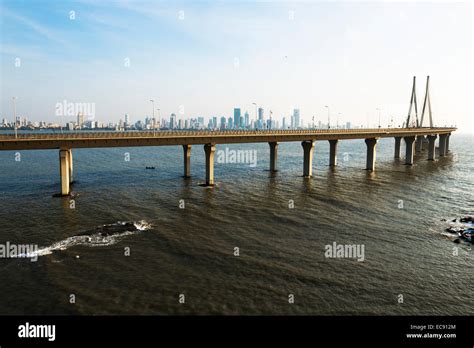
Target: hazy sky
(212, 56)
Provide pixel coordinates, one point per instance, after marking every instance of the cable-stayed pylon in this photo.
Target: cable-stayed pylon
(426, 103)
(414, 123)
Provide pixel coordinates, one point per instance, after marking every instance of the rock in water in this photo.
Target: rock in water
(112, 229)
(465, 232)
(454, 229)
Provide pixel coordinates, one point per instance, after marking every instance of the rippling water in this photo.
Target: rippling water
(190, 251)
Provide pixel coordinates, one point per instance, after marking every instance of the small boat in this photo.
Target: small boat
(150, 167)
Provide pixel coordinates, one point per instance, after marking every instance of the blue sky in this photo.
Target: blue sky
(212, 56)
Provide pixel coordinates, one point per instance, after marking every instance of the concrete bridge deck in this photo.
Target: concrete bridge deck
(162, 138)
(65, 142)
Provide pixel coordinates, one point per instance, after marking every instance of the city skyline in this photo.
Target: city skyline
(276, 55)
(89, 121)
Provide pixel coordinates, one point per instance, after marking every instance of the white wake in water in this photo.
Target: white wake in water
(102, 236)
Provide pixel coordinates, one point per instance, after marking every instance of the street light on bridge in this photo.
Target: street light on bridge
(329, 117)
(14, 116)
(159, 118)
(153, 112)
(256, 116)
(379, 115)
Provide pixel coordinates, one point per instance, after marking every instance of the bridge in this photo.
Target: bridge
(416, 140)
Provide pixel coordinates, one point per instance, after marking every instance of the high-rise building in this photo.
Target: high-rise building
(348, 125)
(223, 122)
(236, 117)
(270, 123)
(173, 121)
(230, 123)
(89, 124)
(127, 120)
(214, 122)
(247, 118)
(80, 119)
(296, 115)
(283, 122)
(260, 118)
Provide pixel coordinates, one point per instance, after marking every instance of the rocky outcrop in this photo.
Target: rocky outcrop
(464, 230)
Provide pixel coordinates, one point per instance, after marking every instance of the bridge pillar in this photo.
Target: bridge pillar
(273, 156)
(419, 143)
(308, 148)
(431, 147)
(397, 146)
(333, 152)
(187, 160)
(442, 144)
(210, 150)
(70, 167)
(424, 143)
(447, 143)
(409, 141)
(371, 144)
(64, 171)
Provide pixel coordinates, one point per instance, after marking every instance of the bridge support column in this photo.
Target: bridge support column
(409, 141)
(431, 147)
(397, 146)
(70, 167)
(187, 160)
(333, 152)
(442, 144)
(273, 156)
(371, 144)
(308, 148)
(210, 150)
(64, 172)
(447, 143)
(419, 142)
(424, 143)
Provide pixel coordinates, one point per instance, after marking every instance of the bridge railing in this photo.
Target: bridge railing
(200, 133)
